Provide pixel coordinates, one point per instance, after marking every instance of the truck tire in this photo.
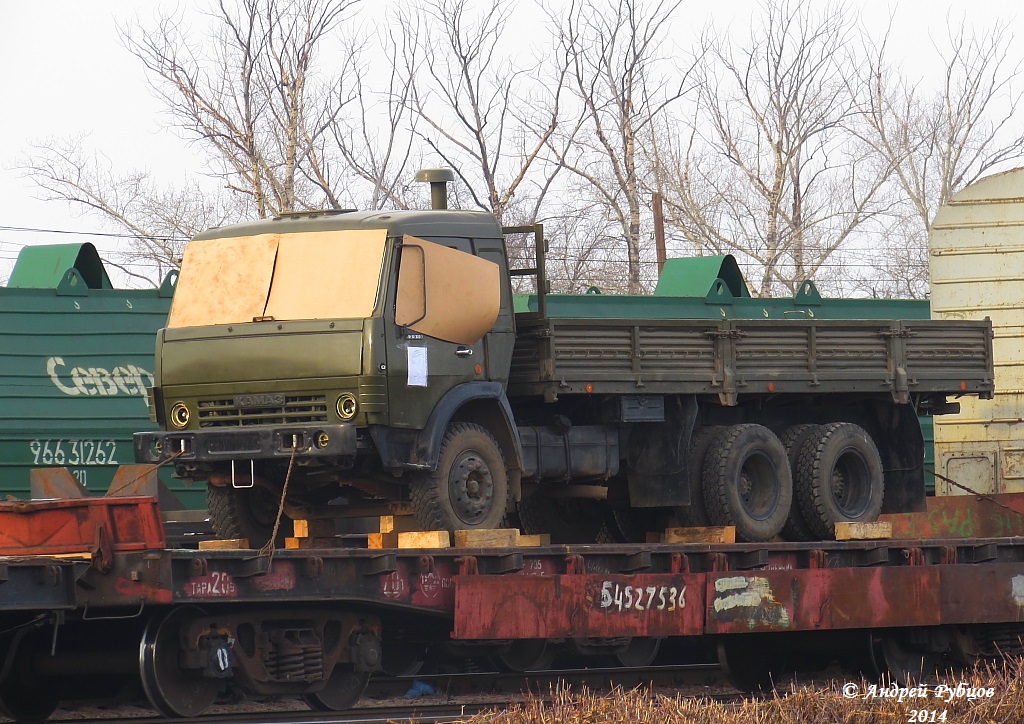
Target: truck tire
(695, 515)
(839, 478)
(747, 482)
(245, 513)
(469, 489)
(793, 439)
(628, 526)
(566, 521)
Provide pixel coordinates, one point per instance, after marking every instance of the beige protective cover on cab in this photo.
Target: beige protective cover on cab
(327, 275)
(306, 275)
(223, 281)
(446, 293)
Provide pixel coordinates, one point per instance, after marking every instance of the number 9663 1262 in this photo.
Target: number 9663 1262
(73, 452)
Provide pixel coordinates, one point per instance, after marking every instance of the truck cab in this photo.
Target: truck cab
(320, 350)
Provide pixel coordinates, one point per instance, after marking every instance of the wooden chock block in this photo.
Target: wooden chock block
(382, 540)
(539, 539)
(863, 531)
(308, 543)
(398, 524)
(711, 534)
(316, 528)
(424, 539)
(227, 544)
(487, 538)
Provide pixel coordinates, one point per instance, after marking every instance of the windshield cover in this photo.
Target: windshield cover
(306, 275)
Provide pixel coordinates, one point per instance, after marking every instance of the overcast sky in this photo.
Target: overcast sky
(66, 74)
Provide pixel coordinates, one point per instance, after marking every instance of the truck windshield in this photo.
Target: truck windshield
(308, 275)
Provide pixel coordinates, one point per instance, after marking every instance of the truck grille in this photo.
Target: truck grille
(296, 409)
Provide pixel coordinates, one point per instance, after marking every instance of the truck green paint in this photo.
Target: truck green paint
(722, 409)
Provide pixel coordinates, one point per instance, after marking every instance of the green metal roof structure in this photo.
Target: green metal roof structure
(45, 267)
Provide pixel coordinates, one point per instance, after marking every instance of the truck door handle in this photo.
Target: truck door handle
(463, 352)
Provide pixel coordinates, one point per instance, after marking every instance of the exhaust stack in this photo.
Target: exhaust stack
(438, 178)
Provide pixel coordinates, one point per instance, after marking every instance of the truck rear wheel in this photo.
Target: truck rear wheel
(793, 439)
(747, 482)
(469, 488)
(245, 513)
(695, 515)
(566, 521)
(839, 478)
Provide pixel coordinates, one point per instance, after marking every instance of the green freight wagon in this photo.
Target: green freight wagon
(76, 356)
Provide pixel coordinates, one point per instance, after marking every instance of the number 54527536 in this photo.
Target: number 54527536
(619, 597)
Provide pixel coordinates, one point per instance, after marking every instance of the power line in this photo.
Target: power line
(90, 233)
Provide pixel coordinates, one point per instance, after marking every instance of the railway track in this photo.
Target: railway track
(455, 697)
(423, 713)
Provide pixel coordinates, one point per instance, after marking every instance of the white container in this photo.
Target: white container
(977, 271)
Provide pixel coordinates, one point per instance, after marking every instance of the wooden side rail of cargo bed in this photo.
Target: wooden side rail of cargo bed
(733, 357)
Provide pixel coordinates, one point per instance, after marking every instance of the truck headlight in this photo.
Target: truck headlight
(347, 406)
(180, 415)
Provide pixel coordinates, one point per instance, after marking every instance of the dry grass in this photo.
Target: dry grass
(804, 705)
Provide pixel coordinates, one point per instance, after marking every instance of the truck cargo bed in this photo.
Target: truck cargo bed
(733, 357)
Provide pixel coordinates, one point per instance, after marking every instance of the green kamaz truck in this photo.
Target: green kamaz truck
(345, 363)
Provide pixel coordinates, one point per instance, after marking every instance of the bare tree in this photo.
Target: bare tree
(769, 168)
(159, 219)
(940, 141)
(252, 93)
(483, 115)
(615, 64)
(376, 135)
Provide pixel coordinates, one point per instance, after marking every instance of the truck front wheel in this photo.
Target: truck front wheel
(469, 488)
(245, 513)
(747, 482)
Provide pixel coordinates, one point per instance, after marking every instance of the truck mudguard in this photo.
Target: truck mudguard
(657, 456)
(419, 449)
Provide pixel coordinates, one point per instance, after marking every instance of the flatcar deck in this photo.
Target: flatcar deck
(291, 622)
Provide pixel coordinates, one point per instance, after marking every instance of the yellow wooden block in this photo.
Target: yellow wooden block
(223, 545)
(424, 539)
(316, 528)
(487, 538)
(398, 524)
(307, 543)
(711, 534)
(863, 531)
(539, 539)
(382, 540)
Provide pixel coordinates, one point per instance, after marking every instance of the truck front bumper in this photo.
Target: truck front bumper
(320, 441)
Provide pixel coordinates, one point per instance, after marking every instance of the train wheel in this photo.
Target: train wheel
(793, 439)
(695, 514)
(839, 478)
(639, 652)
(245, 513)
(341, 692)
(751, 664)
(897, 661)
(401, 659)
(470, 487)
(25, 696)
(173, 691)
(747, 482)
(566, 521)
(527, 655)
